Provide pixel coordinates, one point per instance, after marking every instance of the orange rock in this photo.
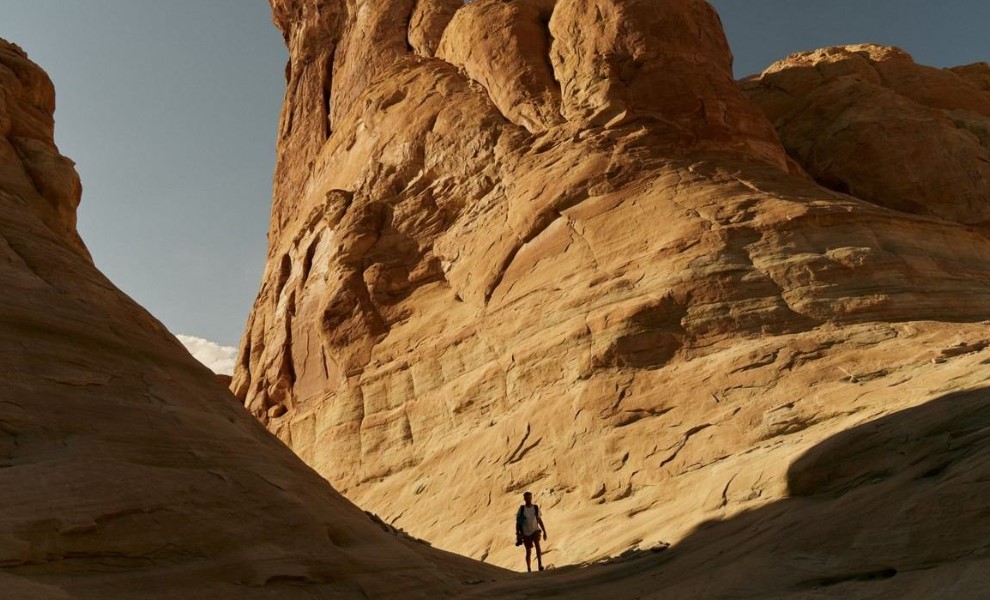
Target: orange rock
(510, 62)
(428, 22)
(35, 171)
(868, 121)
(640, 311)
(634, 304)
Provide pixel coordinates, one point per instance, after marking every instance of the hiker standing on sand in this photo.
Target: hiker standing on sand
(529, 526)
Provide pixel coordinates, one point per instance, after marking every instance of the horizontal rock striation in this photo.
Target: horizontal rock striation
(553, 246)
(126, 469)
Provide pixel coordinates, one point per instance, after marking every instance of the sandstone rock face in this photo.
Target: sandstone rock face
(648, 315)
(868, 121)
(32, 169)
(126, 470)
(428, 22)
(511, 62)
(565, 253)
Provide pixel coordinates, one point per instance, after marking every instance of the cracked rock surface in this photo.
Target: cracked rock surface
(552, 245)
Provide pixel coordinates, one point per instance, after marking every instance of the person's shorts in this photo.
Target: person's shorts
(529, 540)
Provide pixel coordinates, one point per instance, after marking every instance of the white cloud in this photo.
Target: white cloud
(220, 359)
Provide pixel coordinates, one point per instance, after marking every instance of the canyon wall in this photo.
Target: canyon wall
(568, 254)
(126, 469)
(552, 245)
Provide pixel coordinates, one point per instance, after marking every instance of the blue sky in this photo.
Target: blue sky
(170, 110)
(941, 33)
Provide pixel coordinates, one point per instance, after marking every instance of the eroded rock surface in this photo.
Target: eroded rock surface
(868, 121)
(624, 297)
(564, 252)
(126, 469)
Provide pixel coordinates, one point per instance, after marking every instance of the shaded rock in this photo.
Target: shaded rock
(34, 170)
(868, 121)
(125, 469)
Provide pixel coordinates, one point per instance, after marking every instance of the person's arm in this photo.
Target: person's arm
(539, 519)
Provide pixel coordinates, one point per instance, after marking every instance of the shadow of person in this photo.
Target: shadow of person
(898, 507)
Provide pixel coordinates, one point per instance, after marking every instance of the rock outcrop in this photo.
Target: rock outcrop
(43, 180)
(551, 245)
(126, 469)
(868, 121)
(494, 274)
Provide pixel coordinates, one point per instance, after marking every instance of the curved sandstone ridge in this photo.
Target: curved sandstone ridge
(866, 120)
(126, 470)
(552, 246)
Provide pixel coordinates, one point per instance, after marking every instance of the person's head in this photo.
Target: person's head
(528, 497)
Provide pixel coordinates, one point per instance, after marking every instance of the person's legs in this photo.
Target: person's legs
(539, 553)
(529, 553)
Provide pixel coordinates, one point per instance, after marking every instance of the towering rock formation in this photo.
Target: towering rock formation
(126, 470)
(868, 121)
(551, 245)
(578, 261)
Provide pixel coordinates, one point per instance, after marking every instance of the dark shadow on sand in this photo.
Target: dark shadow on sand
(896, 507)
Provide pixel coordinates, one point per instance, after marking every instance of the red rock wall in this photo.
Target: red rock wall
(563, 251)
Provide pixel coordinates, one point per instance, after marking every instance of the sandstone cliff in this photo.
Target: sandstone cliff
(488, 272)
(552, 245)
(126, 470)
(869, 121)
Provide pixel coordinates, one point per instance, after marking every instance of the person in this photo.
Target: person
(529, 527)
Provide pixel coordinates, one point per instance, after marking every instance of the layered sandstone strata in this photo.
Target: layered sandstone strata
(641, 308)
(551, 245)
(126, 469)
